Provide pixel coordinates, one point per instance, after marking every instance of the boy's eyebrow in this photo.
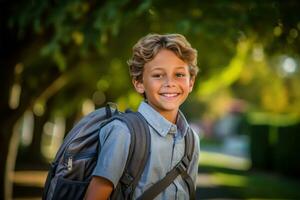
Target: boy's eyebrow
(181, 67)
(161, 68)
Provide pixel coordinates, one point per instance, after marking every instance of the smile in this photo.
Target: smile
(169, 94)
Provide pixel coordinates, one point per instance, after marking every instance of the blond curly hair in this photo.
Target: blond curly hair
(148, 46)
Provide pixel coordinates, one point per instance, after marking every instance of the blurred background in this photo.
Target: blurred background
(61, 60)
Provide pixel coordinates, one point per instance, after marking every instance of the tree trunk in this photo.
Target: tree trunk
(6, 120)
(5, 182)
(9, 57)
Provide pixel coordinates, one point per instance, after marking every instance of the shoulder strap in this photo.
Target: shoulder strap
(180, 168)
(138, 151)
(189, 149)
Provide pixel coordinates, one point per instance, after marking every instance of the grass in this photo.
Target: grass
(228, 177)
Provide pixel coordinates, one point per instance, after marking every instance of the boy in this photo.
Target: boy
(163, 70)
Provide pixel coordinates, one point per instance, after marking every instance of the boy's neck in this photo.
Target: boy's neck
(170, 116)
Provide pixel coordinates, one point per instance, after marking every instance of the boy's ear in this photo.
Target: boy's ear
(192, 81)
(139, 86)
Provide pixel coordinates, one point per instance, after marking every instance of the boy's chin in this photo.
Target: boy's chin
(170, 108)
(165, 107)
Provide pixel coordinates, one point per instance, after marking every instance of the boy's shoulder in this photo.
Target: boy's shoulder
(114, 128)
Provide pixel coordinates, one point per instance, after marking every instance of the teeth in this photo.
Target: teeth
(169, 95)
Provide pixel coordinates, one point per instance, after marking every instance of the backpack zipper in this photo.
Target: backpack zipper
(71, 157)
(70, 163)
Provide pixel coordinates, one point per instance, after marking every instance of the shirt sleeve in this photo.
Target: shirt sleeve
(193, 169)
(114, 142)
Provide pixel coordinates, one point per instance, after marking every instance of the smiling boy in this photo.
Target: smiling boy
(163, 69)
(166, 83)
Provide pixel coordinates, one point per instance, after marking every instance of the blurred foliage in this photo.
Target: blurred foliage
(229, 177)
(84, 45)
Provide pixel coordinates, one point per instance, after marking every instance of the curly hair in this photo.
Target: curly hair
(148, 46)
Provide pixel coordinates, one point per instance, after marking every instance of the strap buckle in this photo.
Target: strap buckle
(182, 165)
(126, 179)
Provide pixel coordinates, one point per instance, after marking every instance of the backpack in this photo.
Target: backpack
(71, 171)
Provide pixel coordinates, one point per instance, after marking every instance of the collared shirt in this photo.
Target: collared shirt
(167, 149)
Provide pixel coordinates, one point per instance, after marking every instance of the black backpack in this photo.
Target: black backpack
(71, 170)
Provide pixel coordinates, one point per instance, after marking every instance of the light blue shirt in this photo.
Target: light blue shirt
(167, 149)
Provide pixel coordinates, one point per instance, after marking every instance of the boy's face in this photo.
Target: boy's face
(166, 82)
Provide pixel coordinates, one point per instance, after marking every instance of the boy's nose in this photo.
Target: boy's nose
(169, 81)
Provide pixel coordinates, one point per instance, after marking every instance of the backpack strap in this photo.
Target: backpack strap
(189, 149)
(181, 168)
(138, 151)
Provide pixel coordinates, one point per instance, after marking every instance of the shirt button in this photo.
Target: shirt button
(173, 129)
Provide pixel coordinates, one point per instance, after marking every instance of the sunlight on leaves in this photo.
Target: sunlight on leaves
(229, 179)
(230, 73)
(39, 108)
(103, 84)
(78, 37)
(274, 97)
(224, 161)
(131, 100)
(273, 119)
(60, 60)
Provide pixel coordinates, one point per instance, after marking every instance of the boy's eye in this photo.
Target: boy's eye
(180, 75)
(157, 75)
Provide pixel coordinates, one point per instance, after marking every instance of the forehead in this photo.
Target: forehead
(166, 59)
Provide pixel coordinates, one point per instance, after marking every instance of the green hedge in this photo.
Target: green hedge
(287, 151)
(276, 148)
(260, 148)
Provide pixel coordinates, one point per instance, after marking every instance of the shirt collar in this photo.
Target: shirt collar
(161, 124)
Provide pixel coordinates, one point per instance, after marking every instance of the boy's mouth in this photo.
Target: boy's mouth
(169, 94)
